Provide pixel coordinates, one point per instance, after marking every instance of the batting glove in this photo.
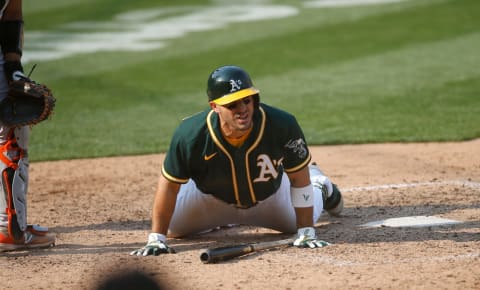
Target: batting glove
(306, 237)
(156, 245)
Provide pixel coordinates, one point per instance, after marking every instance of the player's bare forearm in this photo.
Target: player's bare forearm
(13, 11)
(304, 217)
(164, 205)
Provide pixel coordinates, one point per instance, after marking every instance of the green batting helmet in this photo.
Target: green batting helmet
(228, 84)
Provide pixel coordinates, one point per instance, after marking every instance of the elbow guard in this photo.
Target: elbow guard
(11, 36)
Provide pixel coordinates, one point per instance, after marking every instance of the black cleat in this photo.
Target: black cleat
(334, 203)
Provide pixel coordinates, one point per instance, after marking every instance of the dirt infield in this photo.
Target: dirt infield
(100, 211)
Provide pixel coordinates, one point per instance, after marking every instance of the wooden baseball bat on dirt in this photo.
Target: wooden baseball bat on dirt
(229, 252)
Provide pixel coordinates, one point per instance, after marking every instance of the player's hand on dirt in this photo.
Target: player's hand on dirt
(307, 238)
(156, 245)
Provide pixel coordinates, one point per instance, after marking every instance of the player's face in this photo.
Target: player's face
(236, 117)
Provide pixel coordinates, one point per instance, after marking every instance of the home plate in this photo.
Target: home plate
(412, 221)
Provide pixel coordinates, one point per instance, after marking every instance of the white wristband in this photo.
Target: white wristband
(302, 196)
(17, 75)
(155, 237)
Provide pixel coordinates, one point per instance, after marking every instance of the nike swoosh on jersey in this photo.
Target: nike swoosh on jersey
(208, 157)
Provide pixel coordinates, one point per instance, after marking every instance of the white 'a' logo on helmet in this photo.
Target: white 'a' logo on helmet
(235, 85)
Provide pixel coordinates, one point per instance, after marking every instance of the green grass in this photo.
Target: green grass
(385, 73)
(48, 14)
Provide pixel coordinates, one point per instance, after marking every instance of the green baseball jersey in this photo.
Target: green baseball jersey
(244, 175)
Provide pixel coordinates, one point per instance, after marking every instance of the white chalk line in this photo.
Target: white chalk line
(471, 184)
(429, 259)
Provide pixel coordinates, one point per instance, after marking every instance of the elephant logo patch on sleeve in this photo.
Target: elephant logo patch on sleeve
(298, 147)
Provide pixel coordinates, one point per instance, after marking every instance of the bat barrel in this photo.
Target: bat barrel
(205, 257)
(226, 253)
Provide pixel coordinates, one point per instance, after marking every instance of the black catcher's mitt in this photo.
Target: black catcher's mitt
(27, 103)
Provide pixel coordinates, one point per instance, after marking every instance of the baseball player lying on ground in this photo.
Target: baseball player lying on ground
(240, 162)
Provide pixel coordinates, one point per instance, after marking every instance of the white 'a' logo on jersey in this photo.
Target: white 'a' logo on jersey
(235, 85)
(267, 168)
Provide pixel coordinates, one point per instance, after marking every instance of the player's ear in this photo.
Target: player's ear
(213, 106)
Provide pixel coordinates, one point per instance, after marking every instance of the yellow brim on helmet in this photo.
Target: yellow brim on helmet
(227, 99)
